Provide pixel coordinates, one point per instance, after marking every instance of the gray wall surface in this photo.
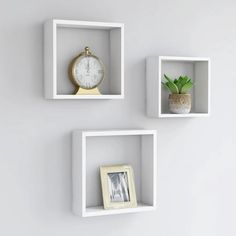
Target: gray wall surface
(196, 157)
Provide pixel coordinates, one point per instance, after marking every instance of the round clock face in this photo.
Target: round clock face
(88, 72)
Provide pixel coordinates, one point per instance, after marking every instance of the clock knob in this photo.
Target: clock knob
(87, 51)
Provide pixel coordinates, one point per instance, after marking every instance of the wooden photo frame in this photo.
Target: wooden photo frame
(118, 188)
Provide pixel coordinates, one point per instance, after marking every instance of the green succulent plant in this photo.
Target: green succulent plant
(178, 86)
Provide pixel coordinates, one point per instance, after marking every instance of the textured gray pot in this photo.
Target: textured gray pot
(180, 103)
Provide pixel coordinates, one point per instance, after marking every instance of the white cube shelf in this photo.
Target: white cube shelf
(92, 149)
(65, 39)
(197, 68)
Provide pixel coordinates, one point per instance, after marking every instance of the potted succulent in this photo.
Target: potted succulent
(179, 99)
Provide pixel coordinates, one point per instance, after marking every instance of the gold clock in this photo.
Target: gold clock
(86, 72)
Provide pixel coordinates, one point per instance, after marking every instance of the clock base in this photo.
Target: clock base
(82, 91)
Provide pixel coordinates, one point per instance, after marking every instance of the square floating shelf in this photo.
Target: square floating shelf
(65, 39)
(92, 149)
(197, 68)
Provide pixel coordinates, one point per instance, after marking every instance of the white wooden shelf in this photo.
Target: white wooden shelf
(99, 210)
(170, 115)
(65, 39)
(92, 149)
(88, 97)
(197, 68)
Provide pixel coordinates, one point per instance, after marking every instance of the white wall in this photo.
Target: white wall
(196, 186)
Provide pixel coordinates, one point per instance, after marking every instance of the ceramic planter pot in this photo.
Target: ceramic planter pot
(180, 103)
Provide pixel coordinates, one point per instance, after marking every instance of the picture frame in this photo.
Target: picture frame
(118, 187)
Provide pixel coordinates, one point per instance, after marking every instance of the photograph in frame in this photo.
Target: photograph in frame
(118, 187)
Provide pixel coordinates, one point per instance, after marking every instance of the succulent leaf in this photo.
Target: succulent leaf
(178, 84)
(186, 87)
(172, 87)
(168, 79)
(165, 85)
(183, 80)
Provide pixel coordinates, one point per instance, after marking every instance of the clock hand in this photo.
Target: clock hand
(88, 67)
